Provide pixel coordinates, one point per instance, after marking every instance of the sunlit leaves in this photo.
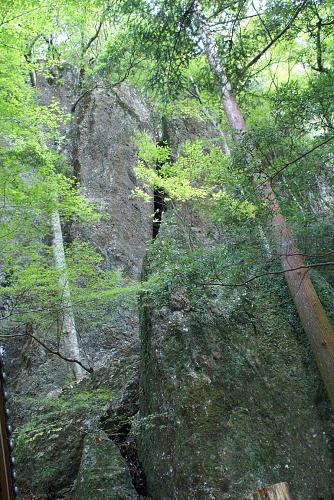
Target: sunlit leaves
(201, 174)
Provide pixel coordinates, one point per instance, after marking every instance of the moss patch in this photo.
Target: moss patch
(49, 445)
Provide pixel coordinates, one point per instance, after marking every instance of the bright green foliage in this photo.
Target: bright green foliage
(35, 180)
(201, 174)
(286, 96)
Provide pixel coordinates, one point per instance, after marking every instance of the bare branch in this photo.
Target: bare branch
(6, 21)
(269, 273)
(105, 87)
(81, 97)
(277, 37)
(93, 38)
(300, 157)
(59, 354)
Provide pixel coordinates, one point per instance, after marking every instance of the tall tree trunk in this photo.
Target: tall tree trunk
(69, 329)
(311, 312)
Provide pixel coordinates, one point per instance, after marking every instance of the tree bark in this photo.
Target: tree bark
(279, 491)
(69, 329)
(311, 312)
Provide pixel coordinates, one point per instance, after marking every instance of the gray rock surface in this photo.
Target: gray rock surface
(52, 417)
(228, 400)
(104, 155)
(103, 474)
(99, 143)
(51, 436)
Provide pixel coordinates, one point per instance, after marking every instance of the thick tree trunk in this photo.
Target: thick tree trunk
(279, 491)
(311, 312)
(69, 329)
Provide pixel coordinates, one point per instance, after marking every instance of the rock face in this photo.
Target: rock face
(177, 130)
(53, 419)
(52, 436)
(103, 475)
(100, 145)
(104, 155)
(230, 397)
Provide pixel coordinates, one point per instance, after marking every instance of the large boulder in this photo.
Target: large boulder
(230, 398)
(54, 435)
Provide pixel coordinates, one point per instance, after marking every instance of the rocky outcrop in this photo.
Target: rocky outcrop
(53, 438)
(100, 144)
(104, 155)
(230, 401)
(230, 397)
(103, 474)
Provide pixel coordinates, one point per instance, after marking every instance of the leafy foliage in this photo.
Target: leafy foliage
(200, 174)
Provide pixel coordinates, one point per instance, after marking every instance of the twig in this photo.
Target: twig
(269, 273)
(277, 37)
(59, 354)
(300, 157)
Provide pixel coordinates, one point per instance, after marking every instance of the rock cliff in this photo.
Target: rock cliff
(53, 417)
(230, 395)
(229, 398)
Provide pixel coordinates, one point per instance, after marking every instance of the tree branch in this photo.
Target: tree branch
(93, 38)
(74, 105)
(106, 87)
(277, 37)
(6, 21)
(269, 273)
(300, 157)
(59, 354)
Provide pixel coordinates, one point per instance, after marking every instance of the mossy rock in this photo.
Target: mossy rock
(49, 445)
(103, 474)
(231, 398)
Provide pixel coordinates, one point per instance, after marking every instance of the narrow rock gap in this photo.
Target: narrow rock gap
(160, 205)
(117, 424)
(127, 444)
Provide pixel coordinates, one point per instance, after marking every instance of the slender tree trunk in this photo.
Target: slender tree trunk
(69, 329)
(311, 312)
